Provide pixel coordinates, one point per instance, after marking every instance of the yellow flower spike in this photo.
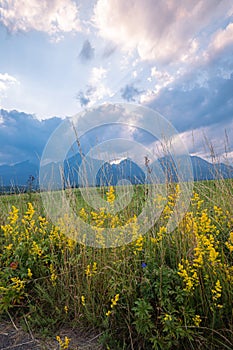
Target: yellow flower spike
(83, 300)
(30, 212)
(43, 223)
(63, 344)
(198, 256)
(160, 234)
(90, 271)
(35, 249)
(197, 320)
(29, 273)
(108, 313)
(94, 268)
(115, 300)
(111, 195)
(217, 293)
(83, 214)
(53, 276)
(66, 309)
(114, 222)
(17, 284)
(58, 338)
(139, 244)
(13, 215)
(229, 244)
(190, 277)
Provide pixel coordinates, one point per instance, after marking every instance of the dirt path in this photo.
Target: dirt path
(12, 337)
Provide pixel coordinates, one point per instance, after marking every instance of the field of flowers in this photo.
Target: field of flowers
(162, 291)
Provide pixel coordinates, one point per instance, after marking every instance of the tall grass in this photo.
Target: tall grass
(162, 291)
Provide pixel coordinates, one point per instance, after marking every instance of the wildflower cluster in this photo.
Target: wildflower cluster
(91, 270)
(111, 195)
(189, 276)
(205, 260)
(173, 288)
(30, 247)
(216, 294)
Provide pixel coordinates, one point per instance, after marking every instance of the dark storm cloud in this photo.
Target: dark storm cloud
(23, 137)
(198, 106)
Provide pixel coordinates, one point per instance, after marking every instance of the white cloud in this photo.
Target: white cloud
(206, 142)
(6, 81)
(97, 80)
(51, 16)
(164, 30)
(97, 75)
(162, 79)
(222, 39)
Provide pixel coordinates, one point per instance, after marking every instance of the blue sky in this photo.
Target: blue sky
(59, 57)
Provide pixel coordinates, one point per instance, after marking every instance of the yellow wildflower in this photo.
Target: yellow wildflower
(197, 320)
(53, 276)
(216, 294)
(17, 284)
(29, 273)
(190, 277)
(83, 300)
(167, 317)
(36, 250)
(110, 195)
(217, 291)
(83, 214)
(29, 213)
(63, 344)
(91, 270)
(66, 309)
(139, 244)
(13, 215)
(115, 300)
(229, 244)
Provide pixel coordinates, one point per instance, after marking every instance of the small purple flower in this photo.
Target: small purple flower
(144, 265)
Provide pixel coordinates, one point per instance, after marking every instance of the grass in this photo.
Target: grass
(162, 291)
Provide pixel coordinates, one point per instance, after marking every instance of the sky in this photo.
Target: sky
(60, 57)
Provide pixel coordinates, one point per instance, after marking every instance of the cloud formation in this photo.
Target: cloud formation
(129, 92)
(6, 80)
(51, 16)
(163, 30)
(198, 105)
(23, 137)
(83, 98)
(96, 88)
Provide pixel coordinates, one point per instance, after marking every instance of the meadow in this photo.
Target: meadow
(164, 290)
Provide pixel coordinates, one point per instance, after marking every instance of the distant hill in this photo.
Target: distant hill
(18, 175)
(126, 169)
(203, 170)
(68, 173)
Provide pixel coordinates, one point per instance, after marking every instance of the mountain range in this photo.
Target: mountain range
(26, 174)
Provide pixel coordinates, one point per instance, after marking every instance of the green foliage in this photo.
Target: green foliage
(162, 291)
